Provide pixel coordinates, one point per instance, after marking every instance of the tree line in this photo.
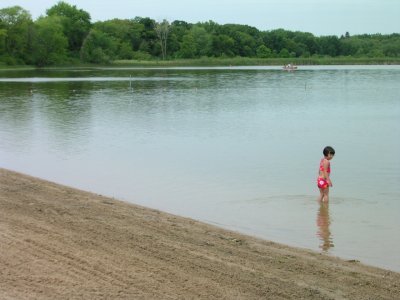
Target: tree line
(65, 34)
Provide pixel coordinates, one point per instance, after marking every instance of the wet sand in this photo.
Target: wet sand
(57, 242)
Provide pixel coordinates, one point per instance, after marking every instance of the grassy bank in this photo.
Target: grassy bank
(9, 68)
(217, 62)
(246, 61)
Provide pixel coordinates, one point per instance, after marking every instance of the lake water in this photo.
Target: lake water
(235, 147)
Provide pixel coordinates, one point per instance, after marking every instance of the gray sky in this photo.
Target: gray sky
(320, 17)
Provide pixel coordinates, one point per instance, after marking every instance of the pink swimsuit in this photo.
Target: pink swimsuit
(321, 181)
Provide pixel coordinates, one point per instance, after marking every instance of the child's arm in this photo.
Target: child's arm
(329, 181)
(326, 174)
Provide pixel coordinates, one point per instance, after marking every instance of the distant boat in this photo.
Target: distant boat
(289, 67)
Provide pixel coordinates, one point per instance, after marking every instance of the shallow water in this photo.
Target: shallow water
(236, 147)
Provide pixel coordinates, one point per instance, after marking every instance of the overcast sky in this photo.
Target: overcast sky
(320, 17)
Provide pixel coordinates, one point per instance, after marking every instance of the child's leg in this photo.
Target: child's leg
(323, 195)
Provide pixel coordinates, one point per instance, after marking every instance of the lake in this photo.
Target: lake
(238, 147)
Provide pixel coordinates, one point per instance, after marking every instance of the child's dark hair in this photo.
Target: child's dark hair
(328, 150)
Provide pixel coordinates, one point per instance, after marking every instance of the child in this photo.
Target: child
(323, 180)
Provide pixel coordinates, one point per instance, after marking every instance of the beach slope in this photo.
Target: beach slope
(57, 242)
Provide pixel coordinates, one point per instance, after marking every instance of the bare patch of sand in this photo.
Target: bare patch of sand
(61, 243)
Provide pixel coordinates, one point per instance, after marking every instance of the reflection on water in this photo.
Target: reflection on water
(323, 223)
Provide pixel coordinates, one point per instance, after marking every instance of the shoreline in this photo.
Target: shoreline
(220, 62)
(58, 242)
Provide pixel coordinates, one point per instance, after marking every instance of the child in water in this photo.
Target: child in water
(323, 180)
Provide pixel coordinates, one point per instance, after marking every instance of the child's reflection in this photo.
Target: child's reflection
(323, 223)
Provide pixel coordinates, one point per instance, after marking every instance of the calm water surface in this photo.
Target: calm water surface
(236, 147)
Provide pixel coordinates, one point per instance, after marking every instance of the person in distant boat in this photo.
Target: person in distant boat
(289, 67)
(324, 180)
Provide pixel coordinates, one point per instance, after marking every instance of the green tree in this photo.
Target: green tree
(329, 45)
(98, 47)
(246, 38)
(284, 53)
(49, 44)
(202, 39)
(264, 52)
(196, 43)
(3, 36)
(15, 30)
(125, 33)
(188, 47)
(245, 44)
(178, 30)
(376, 53)
(347, 47)
(135, 34)
(149, 36)
(125, 51)
(222, 45)
(144, 47)
(391, 46)
(76, 24)
(305, 43)
(275, 39)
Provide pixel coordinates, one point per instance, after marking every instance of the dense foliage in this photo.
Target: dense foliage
(66, 35)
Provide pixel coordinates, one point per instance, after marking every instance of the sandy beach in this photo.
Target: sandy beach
(57, 242)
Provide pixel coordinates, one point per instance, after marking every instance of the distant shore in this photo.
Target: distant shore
(246, 61)
(222, 62)
(57, 242)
